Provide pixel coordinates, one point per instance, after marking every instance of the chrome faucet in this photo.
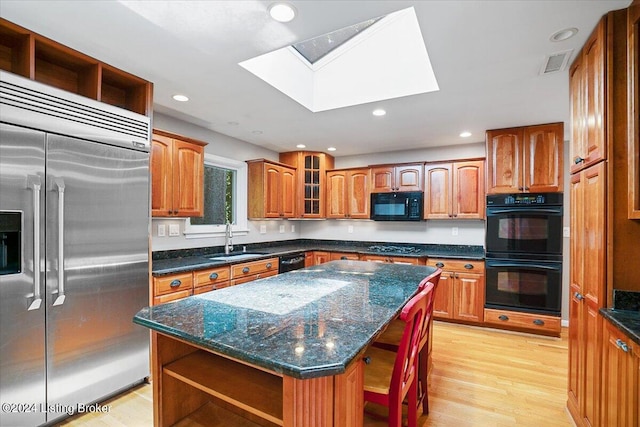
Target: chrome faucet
(228, 236)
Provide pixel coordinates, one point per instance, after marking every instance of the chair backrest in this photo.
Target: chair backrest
(434, 278)
(414, 315)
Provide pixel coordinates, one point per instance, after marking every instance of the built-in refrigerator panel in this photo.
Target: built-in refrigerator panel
(97, 210)
(22, 313)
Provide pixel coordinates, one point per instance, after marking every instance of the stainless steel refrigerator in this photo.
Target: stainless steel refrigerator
(74, 251)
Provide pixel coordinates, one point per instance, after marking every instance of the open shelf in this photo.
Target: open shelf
(251, 390)
(212, 415)
(33, 56)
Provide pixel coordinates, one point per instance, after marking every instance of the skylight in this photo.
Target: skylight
(381, 58)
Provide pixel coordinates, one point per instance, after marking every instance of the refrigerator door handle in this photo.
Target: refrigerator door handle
(58, 185)
(33, 182)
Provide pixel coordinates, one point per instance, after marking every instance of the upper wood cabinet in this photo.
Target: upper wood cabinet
(35, 57)
(633, 85)
(390, 178)
(454, 190)
(272, 190)
(177, 175)
(525, 159)
(311, 170)
(348, 193)
(587, 84)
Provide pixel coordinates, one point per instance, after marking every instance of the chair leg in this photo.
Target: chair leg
(423, 369)
(412, 407)
(395, 414)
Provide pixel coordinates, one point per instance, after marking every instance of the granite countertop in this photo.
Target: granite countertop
(625, 314)
(306, 323)
(169, 262)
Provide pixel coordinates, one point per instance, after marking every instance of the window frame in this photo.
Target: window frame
(241, 225)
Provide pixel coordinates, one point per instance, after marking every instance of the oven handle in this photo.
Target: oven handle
(491, 212)
(507, 265)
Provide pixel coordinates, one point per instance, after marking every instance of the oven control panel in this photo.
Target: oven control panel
(524, 199)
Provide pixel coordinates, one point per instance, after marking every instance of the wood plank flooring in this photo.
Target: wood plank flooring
(480, 377)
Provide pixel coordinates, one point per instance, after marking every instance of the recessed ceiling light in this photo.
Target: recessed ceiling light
(181, 98)
(331, 149)
(564, 34)
(379, 112)
(282, 12)
(465, 134)
(301, 146)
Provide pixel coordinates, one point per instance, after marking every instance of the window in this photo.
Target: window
(224, 199)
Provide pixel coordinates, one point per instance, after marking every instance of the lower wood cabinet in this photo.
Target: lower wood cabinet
(460, 291)
(248, 271)
(320, 257)
(172, 287)
(342, 256)
(620, 379)
(211, 279)
(527, 322)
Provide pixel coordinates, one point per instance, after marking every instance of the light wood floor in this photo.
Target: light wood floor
(480, 377)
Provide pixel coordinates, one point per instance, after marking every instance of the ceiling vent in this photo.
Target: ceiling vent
(556, 62)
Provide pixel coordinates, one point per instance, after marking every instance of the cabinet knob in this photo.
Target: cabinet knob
(213, 276)
(268, 265)
(366, 360)
(578, 296)
(175, 283)
(520, 188)
(503, 317)
(578, 160)
(343, 258)
(468, 266)
(526, 188)
(622, 345)
(439, 264)
(538, 322)
(245, 270)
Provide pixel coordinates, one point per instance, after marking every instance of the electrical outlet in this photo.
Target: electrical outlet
(281, 229)
(174, 230)
(263, 229)
(454, 231)
(566, 232)
(162, 230)
(293, 228)
(350, 229)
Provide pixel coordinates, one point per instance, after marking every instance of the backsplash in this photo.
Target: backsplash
(626, 300)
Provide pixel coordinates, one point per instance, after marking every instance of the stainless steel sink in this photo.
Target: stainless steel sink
(235, 257)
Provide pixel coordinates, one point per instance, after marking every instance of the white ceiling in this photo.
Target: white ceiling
(486, 56)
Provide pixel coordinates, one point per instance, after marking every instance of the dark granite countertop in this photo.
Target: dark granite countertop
(169, 262)
(306, 323)
(625, 314)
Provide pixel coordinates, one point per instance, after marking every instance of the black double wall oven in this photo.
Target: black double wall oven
(524, 253)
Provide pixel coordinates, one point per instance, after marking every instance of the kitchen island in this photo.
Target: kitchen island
(280, 351)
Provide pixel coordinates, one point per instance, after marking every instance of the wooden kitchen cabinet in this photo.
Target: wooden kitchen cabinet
(249, 271)
(311, 168)
(619, 401)
(633, 108)
(177, 175)
(391, 178)
(525, 322)
(172, 287)
(587, 79)
(272, 190)
(460, 291)
(454, 190)
(525, 159)
(320, 257)
(348, 193)
(211, 279)
(342, 256)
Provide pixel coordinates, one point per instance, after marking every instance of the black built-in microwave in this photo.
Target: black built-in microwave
(401, 206)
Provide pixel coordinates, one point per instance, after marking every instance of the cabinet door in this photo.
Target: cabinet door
(337, 194)
(409, 177)
(321, 257)
(577, 88)
(443, 301)
(504, 165)
(633, 83)
(594, 62)
(468, 199)
(468, 297)
(382, 179)
(188, 179)
(161, 178)
(288, 194)
(543, 158)
(437, 194)
(358, 194)
(273, 190)
(594, 239)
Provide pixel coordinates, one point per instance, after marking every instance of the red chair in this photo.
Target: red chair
(391, 337)
(391, 376)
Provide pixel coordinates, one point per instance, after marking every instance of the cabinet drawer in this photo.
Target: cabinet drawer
(549, 325)
(253, 277)
(460, 265)
(171, 296)
(209, 288)
(173, 283)
(252, 268)
(211, 276)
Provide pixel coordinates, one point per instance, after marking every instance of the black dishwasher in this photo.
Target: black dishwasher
(291, 262)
